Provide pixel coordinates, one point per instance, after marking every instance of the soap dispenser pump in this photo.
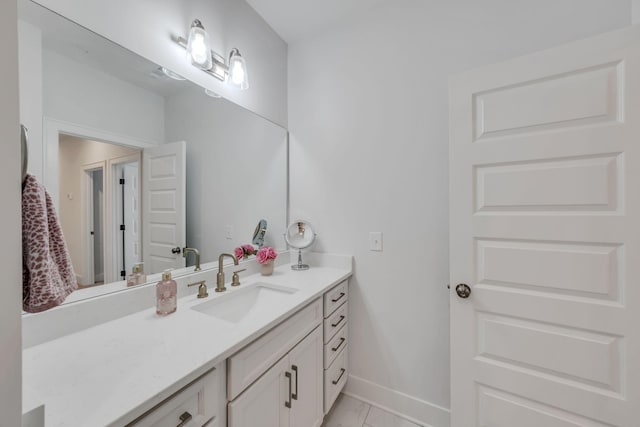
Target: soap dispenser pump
(166, 294)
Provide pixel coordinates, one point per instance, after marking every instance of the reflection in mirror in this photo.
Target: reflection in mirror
(141, 165)
(96, 178)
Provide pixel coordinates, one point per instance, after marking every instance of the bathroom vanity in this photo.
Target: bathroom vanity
(270, 352)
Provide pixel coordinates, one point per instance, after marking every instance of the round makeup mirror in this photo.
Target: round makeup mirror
(300, 235)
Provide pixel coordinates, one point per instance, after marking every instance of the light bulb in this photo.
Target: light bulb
(198, 46)
(238, 76)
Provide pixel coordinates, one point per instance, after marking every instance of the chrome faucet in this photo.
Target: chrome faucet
(195, 251)
(220, 277)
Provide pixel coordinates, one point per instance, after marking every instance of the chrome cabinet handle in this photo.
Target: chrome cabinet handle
(333, 325)
(342, 371)
(184, 418)
(463, 290)
(294, 368)
(288, 403)
(342, 340)
(339, 298)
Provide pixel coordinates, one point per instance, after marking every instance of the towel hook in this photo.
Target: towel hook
(24, 137)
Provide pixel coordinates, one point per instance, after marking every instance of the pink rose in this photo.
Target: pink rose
(266, 254)
(262, 256)
(248, 249)
(238, 252)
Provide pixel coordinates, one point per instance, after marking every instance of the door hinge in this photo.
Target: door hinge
(122, 227)
(123, 274)
(121, 181)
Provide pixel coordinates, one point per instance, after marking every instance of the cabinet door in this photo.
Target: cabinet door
(264, 403)
(306, 366)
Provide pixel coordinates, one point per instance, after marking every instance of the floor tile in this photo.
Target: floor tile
(379, 418)
(347, 412)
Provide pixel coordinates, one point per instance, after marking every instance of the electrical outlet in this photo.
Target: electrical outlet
(228, 232)
(375, 241)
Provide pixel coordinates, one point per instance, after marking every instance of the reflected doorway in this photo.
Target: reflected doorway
(100, 207)
(95, 214)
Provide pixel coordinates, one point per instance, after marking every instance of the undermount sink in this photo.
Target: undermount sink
(253, 299)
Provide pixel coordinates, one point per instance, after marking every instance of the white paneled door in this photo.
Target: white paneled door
(545, 232)
(164, 205)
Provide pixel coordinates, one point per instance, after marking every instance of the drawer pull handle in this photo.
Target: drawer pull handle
(184, 418)
(339, 298)
(288, 403)
(342, 340)
(333, 325)
(342, 371)
(294, 368)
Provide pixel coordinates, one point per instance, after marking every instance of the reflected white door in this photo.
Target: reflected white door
(545, 215)
(130, 211)
(164, 205)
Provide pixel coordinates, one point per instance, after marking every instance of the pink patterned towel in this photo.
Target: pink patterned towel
(47, 273)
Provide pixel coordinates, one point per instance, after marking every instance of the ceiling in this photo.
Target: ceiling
(295, 20)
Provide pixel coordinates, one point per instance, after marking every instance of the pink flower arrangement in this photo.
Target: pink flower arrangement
(266, 254)
(244, 251)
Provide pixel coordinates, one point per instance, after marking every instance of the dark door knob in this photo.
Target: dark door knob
(463, 290)
(176, 250)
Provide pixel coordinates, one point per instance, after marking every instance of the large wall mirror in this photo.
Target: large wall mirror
(140, 163)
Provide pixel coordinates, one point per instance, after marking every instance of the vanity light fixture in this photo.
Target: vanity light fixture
(198, 46)
(238, 76)
(200, 55)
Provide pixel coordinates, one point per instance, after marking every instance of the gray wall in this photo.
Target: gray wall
(10, 250)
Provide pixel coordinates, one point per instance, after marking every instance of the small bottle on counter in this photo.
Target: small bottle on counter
(166, 294)
(137, 277)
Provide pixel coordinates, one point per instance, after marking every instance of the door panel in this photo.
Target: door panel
(306, 361)
(263, 403)
(164, 204)
(545, 206)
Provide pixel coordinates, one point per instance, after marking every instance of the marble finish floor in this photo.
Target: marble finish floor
(350, 412)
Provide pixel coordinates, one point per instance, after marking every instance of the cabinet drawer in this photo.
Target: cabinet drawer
(335, 346)
(334, 379)
(335, 297)
(248, 364)
(200, 403)
(334, 322)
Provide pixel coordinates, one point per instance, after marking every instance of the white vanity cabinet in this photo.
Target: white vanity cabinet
(289, 394)
(335, 342)
(198, 404)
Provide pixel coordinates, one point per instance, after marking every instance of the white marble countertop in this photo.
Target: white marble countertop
(110, 373)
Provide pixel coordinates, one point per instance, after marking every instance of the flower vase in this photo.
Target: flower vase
(266, 269)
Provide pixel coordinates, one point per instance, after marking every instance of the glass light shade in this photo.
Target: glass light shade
(238, 76)
(199, 47)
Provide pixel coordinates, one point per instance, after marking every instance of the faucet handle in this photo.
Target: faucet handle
(202, 288)
(235, 279)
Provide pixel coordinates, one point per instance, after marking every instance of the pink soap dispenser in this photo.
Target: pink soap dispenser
(166, 294)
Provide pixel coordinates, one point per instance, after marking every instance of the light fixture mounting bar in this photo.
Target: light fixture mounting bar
(219, 69)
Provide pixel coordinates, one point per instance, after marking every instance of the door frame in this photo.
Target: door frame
(88, 272)
(116, 205)
(465, 263)
(51, 137)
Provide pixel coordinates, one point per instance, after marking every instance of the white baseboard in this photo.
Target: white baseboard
(413, 409)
